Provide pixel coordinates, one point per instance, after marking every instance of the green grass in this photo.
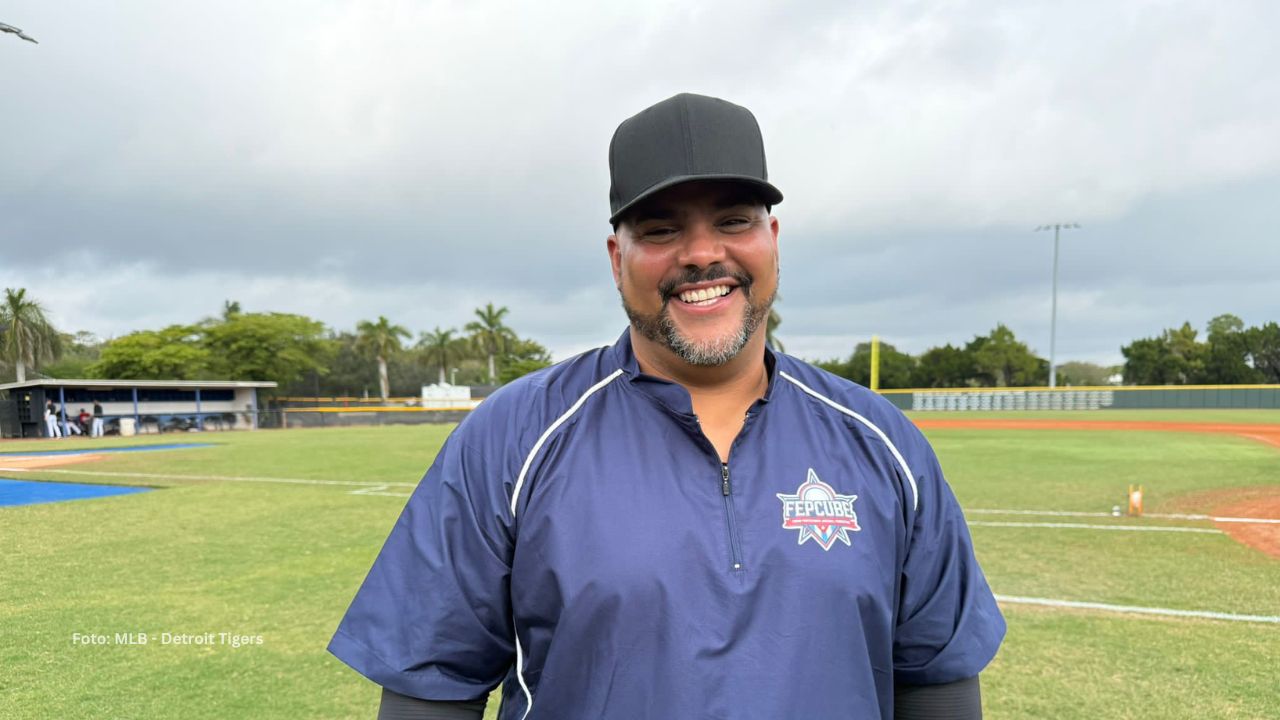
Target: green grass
(371, 454)
(284, 560)
(1092, 665)
(1085, 664)
(1091, 470)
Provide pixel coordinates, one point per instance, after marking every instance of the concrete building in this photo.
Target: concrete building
(132, 406)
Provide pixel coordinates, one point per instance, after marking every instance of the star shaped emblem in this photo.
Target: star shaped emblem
(819, 512)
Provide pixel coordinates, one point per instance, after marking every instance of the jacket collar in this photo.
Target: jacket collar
(672, 396)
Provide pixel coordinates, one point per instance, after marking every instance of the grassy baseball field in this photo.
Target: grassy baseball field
(265, 536)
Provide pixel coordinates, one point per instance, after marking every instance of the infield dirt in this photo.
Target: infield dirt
(29, 462)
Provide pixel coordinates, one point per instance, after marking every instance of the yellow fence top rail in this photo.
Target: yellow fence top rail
(1079, 388)
(346, 399)
(367, 409)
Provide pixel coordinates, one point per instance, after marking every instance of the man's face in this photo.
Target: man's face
(697, 268)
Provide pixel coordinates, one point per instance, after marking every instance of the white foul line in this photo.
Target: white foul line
(1206, 614)
(1089, 526)
(1269, 521)
(378, 490)
(221, 478)
(1158, 516)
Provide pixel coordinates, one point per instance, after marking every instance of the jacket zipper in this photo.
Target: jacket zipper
(726, 490)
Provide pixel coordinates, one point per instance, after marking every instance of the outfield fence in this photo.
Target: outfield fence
(290, 401)
(1086, 398)
(315, 417)
(354, 412)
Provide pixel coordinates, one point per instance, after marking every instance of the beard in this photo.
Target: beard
(708, 352)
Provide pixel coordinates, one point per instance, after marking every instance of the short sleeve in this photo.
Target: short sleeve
(433, 618)
(949, 626)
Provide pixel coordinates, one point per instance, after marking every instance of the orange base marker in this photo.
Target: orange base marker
(1135, 500)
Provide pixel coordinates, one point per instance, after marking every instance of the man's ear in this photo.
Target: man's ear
(615, 258)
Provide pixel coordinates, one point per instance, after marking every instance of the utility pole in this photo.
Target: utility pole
(1053, 313)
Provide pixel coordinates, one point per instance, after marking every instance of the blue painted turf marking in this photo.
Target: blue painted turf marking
(25, 492)
(97, 451)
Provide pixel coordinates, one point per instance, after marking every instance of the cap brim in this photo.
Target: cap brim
(768, 193)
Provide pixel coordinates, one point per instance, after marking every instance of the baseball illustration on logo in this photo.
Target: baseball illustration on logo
(819, 512)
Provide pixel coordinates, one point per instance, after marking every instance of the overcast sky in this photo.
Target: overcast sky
(417, 159)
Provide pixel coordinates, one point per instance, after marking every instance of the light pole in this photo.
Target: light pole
(453, 376)
(1053, 313)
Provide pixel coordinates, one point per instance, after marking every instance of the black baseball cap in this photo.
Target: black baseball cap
(684, 138)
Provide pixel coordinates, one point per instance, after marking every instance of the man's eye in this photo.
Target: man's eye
(658, 233)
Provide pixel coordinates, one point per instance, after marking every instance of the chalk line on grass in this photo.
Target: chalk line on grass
(1047, 513)
(1138, 610)
(1261, 521)
(1157, 516)
(219, 478)
(378, 490)
(1091, 526)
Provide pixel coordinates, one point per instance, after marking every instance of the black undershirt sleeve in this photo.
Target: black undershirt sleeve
(402, 707)
(960, 700)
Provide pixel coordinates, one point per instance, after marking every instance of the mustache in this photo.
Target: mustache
(693, 275)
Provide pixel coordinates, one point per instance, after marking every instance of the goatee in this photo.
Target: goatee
(712, 351)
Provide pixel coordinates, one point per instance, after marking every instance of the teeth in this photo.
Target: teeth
(705, 294)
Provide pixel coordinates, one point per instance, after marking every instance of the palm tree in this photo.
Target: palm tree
(26, 336)
(381, 339)
(490, 335)
(771, 327)
(440, 346)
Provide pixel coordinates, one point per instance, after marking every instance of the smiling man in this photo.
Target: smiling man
(685, 524)
(663, 255)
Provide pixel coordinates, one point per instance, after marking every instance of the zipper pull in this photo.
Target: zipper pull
(724, 479)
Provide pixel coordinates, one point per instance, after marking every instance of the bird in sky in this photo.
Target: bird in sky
(17, 31)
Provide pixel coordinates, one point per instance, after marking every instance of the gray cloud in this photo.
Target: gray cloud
(417, 159)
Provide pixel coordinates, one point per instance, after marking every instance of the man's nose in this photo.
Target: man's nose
(702, 246)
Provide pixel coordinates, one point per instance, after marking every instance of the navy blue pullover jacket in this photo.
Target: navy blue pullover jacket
(578, 541)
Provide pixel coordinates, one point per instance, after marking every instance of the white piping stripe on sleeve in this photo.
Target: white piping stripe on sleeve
(915, 492)
(528, 696)
(515, 494)
(515, 499)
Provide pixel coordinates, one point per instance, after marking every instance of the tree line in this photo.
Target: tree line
(996, 359)
(379, 357)
(1230, 354)
(301, 354)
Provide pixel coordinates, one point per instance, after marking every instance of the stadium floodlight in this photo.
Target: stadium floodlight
(1053, 313)
(4, 27)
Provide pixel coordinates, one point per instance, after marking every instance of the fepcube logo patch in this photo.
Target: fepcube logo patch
(819, 513)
